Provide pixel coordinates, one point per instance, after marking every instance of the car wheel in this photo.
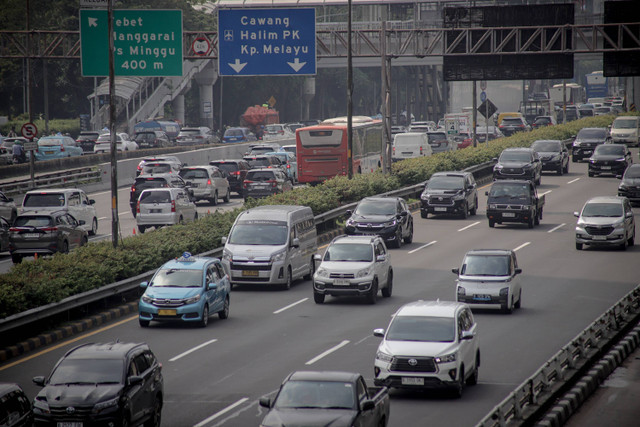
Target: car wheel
(224, 313)
(398, 239)
(536, 219)
(624, 244)
(84, 241)
(566, 168)
(312, 269)
(539, 180)
(475, 207)
(195, 216)
(65, 247)
(144, 323)
(409, 238)
(459, 387)
(205, 317)
(214, 200)
(181, 220)
(372, 296)
(532, 220)
(590, 174)
(386, 291)
(227, 198)
(424, 215)
(142, 229)
(560, 170)
(473, 378)
(519, 303)
(579, 246)
(94, 227)
(574, 160)
(492, 223)
(318, 298)
(632, 239)
(16, 259)
(156, 416)
(287, 284)
(507, 308)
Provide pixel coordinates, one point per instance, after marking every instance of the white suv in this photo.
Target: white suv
(606, 221)
(354, 266)
(429, 345)
(157, 207)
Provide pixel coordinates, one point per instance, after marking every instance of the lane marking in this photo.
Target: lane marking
(198, 347)
(423, 246)
(102, 218)
(220, 413)
(62, 344)
(522, 246)
(573, 180)
(290, 305)
(556, 227)
(331, 350)
(469, 226)
(546, 192)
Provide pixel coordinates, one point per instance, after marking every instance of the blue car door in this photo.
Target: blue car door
(213, 295)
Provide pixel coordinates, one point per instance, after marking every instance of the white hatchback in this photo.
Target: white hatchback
(158, 207)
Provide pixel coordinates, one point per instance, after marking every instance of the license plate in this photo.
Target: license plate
(31, 235)
(440, 209)
(155, 210)
(70, 424)
(341, 282)
(167, 312)
(605, 168)
(482, 297)
(252, 273)
(599, 237)
(195, 184)
(48, 152)
(412, 381)
(508, 215)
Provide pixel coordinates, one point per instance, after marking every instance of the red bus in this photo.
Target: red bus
(322, 149)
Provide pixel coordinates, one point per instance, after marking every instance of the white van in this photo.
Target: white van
(410, 144)
(626, 130)
(271, 245)
(71, 200)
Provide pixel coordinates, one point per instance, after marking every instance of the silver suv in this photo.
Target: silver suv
(158, 207)
(429, 345)
(354, 266)
(606, 221)
(207, 182)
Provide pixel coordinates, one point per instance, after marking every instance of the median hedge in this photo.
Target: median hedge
(46, 280)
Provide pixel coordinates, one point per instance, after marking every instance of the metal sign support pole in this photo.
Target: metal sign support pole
(475, 116)
(349, 99)
(112, 129)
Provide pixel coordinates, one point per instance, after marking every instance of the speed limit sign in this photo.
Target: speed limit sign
(29, 130)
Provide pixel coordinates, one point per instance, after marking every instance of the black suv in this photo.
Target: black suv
(553, 155)
(236, 170)
(102, 384)
(15, 408)
(87, 139)
(152, 139)
(388, 217)
(518, 163)
(143, 182)
(587, 140)
(450, 193)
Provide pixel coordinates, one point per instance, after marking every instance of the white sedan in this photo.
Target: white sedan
(123, 143)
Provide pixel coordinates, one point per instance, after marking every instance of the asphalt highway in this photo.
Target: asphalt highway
(215, 376)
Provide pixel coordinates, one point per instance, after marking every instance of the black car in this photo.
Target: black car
(102, 384)
(518, 163)
(449, 193)
(553, 155)
(630, 185)
(143, 182)
(152, 139)
(587, 140)
(388, 217)
(264, 161)
(15, 408)
(264, 182)
(609, 159)
(236, 170)
(87, 139)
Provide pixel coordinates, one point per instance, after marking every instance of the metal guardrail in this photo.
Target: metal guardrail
(49, 180)
(539, 388)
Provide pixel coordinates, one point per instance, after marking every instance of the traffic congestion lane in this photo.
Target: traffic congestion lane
(256, 347)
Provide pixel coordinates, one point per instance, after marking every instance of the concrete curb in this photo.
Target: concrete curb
(572, 400)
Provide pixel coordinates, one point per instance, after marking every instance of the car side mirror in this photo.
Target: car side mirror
(378, 332)
(144, 284)
(467, 335)
(518, 271)
(10, 199)
(188, 183)
(317, 257)
(368, 405)
(381, 258)
(495, 159)
(576, 214)
(296, 242)
(265, 402)
(223, 240)
(134, 380)
(82, 222)
(619, 176)
(403, 214)
(486, 193)
(348, 212)
(628, 214)
(38, 381)
(92, 202)
(212, 286)
(455, 270)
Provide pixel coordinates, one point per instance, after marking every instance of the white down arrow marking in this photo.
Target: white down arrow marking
(237, 66)
(296, 65)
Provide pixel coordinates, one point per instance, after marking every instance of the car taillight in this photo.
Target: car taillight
(273, 183)
(49, 229)
(237, 173)
(208, 182)
(138, 207)
(521, 126)
(420, 150)
(133, 189)
(288, 166)
(394, 150)
(246, 182)
(173, 206)
(199, 137)
(14, 229)
(62, 148)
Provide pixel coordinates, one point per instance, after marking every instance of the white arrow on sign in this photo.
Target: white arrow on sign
(296, 65)
(237, 66)
(93, 22)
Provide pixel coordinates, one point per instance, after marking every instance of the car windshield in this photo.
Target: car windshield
(625, 124)
(592, 134)
(147, 136)
(316, 394)
(513, 190)
(227, 167)
(149, 197)
(189, 132)
(151, 169)
(273, 128)
(610, 150)
(43, 200)
(88, 371)
(437, 137)
(258, 162)
(144, 183)
(233, 132)
(33, 221)
(515, 156)
(259, 233)
(87, 137)
(261, 176)
(177, 278)
(346, 252)
(547, 146)
(376, 207)
(512, 121)
(446, 183)
(485, 265)
(602, 210)
(48, 142)
(421, 328)
(188, 174)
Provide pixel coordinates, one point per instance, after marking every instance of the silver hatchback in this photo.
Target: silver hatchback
(207, 183)
(158, 207)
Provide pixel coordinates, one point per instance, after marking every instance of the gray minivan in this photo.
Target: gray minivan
(272, 244)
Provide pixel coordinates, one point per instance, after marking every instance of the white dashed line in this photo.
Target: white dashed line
(220, 413)
(522, 246)
(422, 247)
(573, 180)
(192, 350)
(331, 350)
(546, 192)
(290, 305)
(469, 226)
(556, 227)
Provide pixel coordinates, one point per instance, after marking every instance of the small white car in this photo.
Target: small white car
(489, 278)
(354, 266)
(429, 345)
(158, 207)
(123, 143)
(207, 183)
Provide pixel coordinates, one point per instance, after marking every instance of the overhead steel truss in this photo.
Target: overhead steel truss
(332, 43)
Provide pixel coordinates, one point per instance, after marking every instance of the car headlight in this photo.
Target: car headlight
(226, 255)
(384, 357)
(322, 272)
(447, 358)
(497, 167)
(592, 161)
(527, 166)
(462, 291)
(106, 404)
(147, 299)
(621, 160)
(576, 143)
(350, 222)
(458, 196)
(278, 256)
(364, 272)
(42, 406)
(492, 206)
(424, 196)
(192, 299)
(556, 157)
(623, 187)
(391, 223)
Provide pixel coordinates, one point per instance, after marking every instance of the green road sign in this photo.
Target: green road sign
(146, 42)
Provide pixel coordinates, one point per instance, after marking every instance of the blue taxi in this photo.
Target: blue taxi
(187, 289)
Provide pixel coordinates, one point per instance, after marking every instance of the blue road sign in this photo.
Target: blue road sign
(274, 42)
(483, 96)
